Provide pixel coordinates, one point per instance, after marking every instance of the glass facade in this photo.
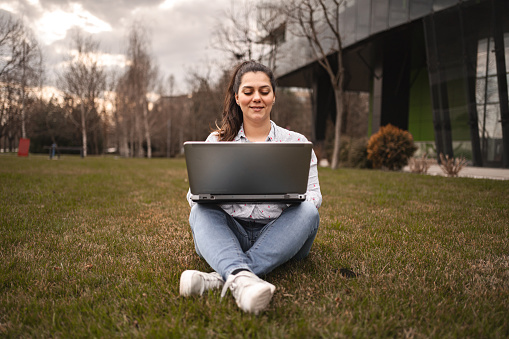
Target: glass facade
(466, 72)
(442, 73)
(488, 100)
(362, 18)
(419, 8)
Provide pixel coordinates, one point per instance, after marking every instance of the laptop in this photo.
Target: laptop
(227, 172)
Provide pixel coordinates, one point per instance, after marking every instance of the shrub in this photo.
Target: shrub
(358, 157)
(390, 148)
(452, 166)
(353, 152)
(420, 165)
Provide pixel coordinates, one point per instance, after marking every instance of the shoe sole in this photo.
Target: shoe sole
(260, 299)
(186, 283)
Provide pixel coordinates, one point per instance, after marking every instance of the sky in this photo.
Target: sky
(180, 30)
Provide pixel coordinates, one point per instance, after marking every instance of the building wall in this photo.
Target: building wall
(420, 120)
(438, 68)
(469, 84)
(360, 19)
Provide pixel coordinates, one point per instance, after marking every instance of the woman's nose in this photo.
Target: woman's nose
(256, 96)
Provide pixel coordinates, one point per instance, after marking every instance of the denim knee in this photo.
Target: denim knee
(309, 212)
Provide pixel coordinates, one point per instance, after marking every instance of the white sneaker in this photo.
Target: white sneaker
(251, 293)
(196, 283)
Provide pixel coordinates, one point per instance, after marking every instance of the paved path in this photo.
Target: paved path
(472, 172)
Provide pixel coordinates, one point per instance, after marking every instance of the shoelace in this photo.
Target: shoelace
(226, 286)
(235, 290)
(212, 277)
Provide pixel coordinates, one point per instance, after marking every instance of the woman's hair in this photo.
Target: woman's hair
(232, 114)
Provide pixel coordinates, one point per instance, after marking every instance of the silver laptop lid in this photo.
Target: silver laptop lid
(235, 169)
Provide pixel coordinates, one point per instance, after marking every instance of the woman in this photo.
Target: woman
(244, 241)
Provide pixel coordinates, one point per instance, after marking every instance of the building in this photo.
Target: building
(437, 68)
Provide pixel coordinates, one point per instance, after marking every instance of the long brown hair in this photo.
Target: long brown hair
(232, 114)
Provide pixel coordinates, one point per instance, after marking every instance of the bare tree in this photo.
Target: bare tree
(83, 80)
(236, 32)
(9, 109)
(248, 28)
(271, 22)
(21, 68)
(318, 22)
(122, 117)
(171, 90)
(31, 69)
(205, 104)
(11, 31)
(141, 77)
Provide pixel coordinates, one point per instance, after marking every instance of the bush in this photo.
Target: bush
(420, 165)
(358, 156)
(353, 152)
(452, 166)
(390, 148)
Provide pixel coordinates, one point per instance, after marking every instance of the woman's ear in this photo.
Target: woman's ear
(237, 98)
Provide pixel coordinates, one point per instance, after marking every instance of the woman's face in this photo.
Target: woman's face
(255, 97)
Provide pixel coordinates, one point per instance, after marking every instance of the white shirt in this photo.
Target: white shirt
(270, 211)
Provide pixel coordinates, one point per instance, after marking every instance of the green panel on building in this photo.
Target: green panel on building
(420, 112)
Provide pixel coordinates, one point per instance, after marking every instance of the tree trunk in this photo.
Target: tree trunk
(23, 80)
(168, 137)
(23, 125)
(147, 131)
(124, 139)
(131, 135)
(339, 96)
(83, 131)
(140, 152)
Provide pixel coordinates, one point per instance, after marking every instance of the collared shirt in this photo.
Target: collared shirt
(270, 211)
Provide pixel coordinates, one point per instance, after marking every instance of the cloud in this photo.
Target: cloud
(54, 25)
(180, 30)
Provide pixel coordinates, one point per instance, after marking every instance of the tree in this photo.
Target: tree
(123, 117)
(49, 123)
(21, 68)
(318, 22)
(247, 29)
(169, 112)
(139, 79)
(205, 103)
(82, 81)
(271, 22)
(10, 48)
(236, 32)
(31, 70)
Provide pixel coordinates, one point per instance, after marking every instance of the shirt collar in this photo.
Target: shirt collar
(241, 136)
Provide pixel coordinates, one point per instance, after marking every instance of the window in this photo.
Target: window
(419, 8)
(487, 100)
(379, 15)
(398, 12)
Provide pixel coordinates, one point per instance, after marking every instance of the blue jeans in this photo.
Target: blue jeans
(228, 244)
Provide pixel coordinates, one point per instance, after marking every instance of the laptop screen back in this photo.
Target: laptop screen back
(235, 168)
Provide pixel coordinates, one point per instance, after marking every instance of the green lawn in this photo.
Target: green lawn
(95, 248)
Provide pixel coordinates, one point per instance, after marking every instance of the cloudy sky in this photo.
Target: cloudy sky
(180, 29)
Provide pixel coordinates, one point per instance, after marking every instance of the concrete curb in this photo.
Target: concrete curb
(471, 172)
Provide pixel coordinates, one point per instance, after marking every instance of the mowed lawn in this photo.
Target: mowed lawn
(95, 247)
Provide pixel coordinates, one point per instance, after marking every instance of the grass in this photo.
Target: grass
(95, 248)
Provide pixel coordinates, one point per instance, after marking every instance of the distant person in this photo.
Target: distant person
(242, 242)
(53, 150)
